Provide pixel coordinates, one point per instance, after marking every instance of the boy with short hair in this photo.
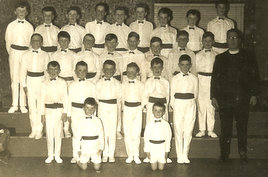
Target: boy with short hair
(143, 27)
(76, 31)
(133, 102)
(98, 27)
(195, 33)
(48, 30)
(17, 37)
(33, 67)
(109, 96)
(91, 136)
(90, 57)
(79, 90)
(157, 137)
(184, 91)
(54, 105)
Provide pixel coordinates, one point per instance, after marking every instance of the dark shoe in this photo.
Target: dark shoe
(243, 157)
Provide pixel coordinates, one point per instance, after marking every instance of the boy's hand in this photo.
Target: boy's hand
(69, 119)
(253, 100)
(148, 155)
(170, 109)
(25, 90)
(214, 103)
(64, 117)
(43, 119)
(166, 155)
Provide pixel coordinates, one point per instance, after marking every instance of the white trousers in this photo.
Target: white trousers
(184, 114)
(108, 114)
(150, 115)
(18, 95)
(132, 122)
(54, 131)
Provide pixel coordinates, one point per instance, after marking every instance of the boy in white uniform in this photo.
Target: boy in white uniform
(48, 30)
(109, 96)
(204, 65)
(133, 102)
(91, 136)
(143, 27)
(79, 90)
(17, 37)
(54, 105)
(33, 67)
(98, 27)
(184, 90)
(157, 137)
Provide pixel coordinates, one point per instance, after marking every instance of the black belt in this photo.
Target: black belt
(17, 47)
(101, 46)
(90, 75)
(49, 48)
(54, 105)
(118, 77)
(77, 105)
(184, 95)
(157, 141)
(35, 74)
(205, 74)
(220, 45)
(89, 137)
(111, 101)
(121, 49)
(76, 50)
(167, 46)
(157, 100)
(143, 49)
(67, 78)
(132, 104)
(175, 73)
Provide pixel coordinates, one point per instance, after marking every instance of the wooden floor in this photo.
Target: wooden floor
(35, 167)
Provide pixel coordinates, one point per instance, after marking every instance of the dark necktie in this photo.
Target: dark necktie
(52, 79)
(181, 49)
(131, 52)
(90, 117)
(207, 50)
(185, 74)
(191, 28)
(107, 79)
(63, 50)
(157, 78)
(99, 22)
(140, 22)
(72, 24)
(110, 53)
(20, 21)
(47, 25)
(131, 82)
(81, 80)
(157, 121)
(35, 51)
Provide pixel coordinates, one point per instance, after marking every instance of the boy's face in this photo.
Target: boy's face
(48, 17)
(111, 45)
(158, 111)
(89, 109)
(182, 41)
(53, 71)
(81, 71)
(156, 48)
(192, 19)
(141, 13)
(131, 73)
(163, 19)
(72, 17)
(221, 9)
(185, 66)
(21, 13)
(207, 42)
(157, 69)
(88, 42)
(100, 13)
(233, 41)
(36, 42)
(120, 16)
(64, 42)
(108, 71)
(133, 43)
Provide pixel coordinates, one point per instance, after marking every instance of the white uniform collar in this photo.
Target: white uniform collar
(234, 51)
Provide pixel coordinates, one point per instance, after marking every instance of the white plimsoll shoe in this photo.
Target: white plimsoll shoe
(74, 160)
(200, 134)
(111, 159)
(58, 159)
(129, 159)
(137, 160)
(169, 160)
(12, 109)
(38, 135)
(104, 159)
(186, 160)
(32, 135)
(146, 160)
(49, 159)
(212, 134)
(23, 109)
(180, 160)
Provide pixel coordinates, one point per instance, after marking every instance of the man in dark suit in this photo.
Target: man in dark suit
(233, 89)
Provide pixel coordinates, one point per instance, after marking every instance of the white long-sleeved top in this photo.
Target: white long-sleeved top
(183, 84)
(144, 29)
(92, 127)
(54, 91)
(219, 28)
(77, 34)
(49, 32)
(97, 30)
(115, 56)
(121, 32)
(195, 37)
(109, 89)
(18, 34)
(167, 34)
(157, 131)
(33, 62)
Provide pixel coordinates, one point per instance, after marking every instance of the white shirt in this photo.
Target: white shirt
(157, 131)
(115, 56)
(107, 90)
(144, 29)
(97, 30)
(49, 34)
(183, 84)
(33, 62)
(121, 32)
(18, 34)
(167, 34)
(219, 28)
(77, 34)
(195, 37)
(133, 92)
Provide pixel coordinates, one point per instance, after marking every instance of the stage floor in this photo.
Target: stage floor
(35, 167)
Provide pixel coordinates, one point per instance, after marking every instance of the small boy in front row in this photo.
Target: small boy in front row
(157, 137)
(184, 90)
(91, 137)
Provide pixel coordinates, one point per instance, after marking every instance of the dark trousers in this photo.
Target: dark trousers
(240, 114)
